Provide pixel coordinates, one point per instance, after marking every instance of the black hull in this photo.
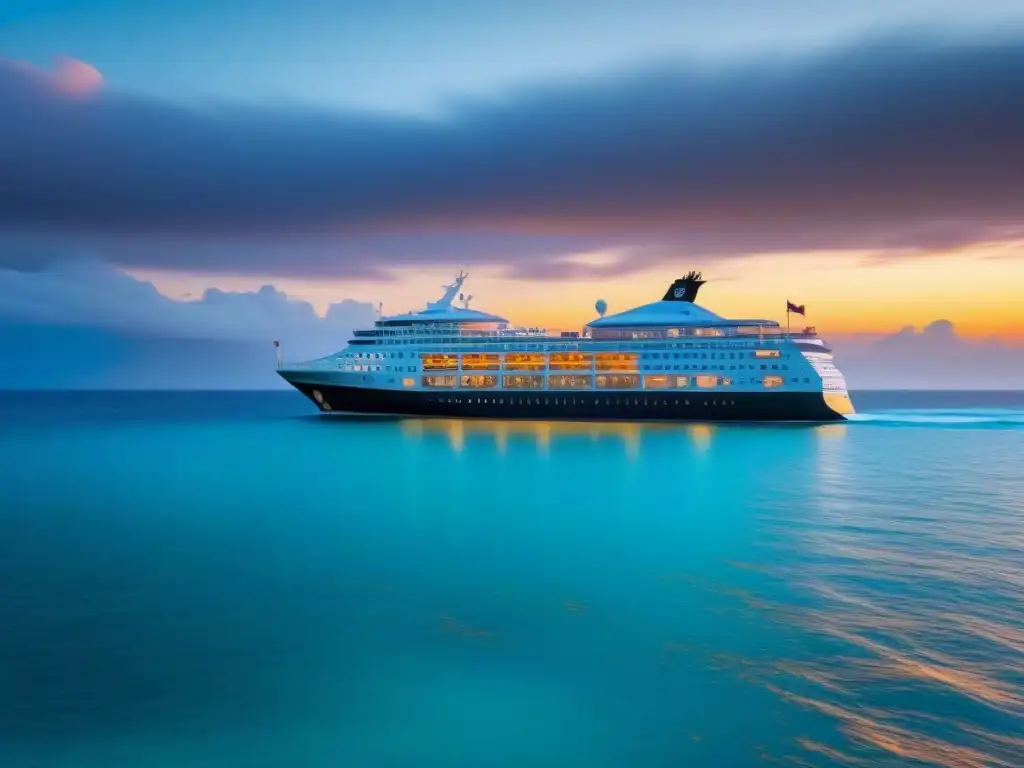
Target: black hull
(583, 406)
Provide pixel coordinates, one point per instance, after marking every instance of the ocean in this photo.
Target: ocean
(228, 580)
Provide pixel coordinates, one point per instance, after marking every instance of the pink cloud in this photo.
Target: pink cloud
(67, 75)
(75, 77)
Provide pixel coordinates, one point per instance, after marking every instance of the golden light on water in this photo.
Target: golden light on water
(501, 437)
(831, 431)
(412, 428)
(632, 440)
(543, 433)
(543, 430)
(701, 434)
(456, 431)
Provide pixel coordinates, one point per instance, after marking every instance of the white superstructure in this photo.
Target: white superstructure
(450, 356)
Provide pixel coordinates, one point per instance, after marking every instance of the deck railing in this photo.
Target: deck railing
(454, 344)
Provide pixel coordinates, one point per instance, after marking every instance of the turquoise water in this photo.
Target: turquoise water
(227, 580)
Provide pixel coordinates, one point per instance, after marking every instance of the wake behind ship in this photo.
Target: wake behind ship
(669, 360)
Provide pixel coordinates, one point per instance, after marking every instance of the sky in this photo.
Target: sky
(861, 158)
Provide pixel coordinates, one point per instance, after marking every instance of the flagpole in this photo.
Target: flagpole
(788, 313)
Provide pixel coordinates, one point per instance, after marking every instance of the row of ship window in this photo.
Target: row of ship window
(412, 368)
(616, 381)
(571, 356)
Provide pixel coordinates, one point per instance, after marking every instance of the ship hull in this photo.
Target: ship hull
(584, 406)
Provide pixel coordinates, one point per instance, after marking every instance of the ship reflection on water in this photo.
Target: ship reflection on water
(543, 433)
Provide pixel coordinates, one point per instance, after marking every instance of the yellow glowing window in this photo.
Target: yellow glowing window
(480, 362)
(479, 382)
(524, 382)
(570, 361)
(682, 381)
(767, 353)
(569, 382)
(525, 362)
(440, 381)
(707, 382)
(408, 382)
(772, 381)
(433, 362)
(658, 382)
(618, 381)
(615, 361)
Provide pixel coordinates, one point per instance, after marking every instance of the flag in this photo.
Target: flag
(798, 310)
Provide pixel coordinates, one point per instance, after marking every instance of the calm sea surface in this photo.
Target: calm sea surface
(227, 580)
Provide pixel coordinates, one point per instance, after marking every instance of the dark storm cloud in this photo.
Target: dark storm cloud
(886, 145)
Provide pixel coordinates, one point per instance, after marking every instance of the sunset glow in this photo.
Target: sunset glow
(845, 293)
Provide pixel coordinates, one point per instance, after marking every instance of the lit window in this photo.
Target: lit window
(525, 362)
(408, 382)
(569, 382)
(767, 353)
(772, 381)
(433, 362)
(657, 382)
(524, 382)
(570, 361)
(618, 381)
(614, 361)
(479, 382)
(707, 382)
(480, 362)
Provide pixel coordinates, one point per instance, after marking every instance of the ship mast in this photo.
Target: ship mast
(450, 292)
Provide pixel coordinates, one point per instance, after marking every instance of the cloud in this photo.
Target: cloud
(69, 76)
(891, 144)
(82, 293)
(84, 324)
(933, 357)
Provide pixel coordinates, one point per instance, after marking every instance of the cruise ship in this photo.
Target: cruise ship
(670, 360)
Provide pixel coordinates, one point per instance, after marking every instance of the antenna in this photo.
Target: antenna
(465, 300)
